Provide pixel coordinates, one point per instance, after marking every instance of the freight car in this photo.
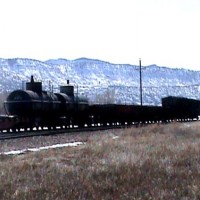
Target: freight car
(181, 108)
(125, 114)
(34, 107)
(172, 109)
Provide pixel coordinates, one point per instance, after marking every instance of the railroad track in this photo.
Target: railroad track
(23, 134)
(47, 132)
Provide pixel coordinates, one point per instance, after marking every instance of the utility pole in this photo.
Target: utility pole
(140, 82)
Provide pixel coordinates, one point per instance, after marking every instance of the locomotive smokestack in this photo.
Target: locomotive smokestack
(67, 82)
(32, 79)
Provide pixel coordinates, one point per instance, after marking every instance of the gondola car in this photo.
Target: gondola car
(181, 108)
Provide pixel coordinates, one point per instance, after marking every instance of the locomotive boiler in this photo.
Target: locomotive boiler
(45, 107)
(32, 102)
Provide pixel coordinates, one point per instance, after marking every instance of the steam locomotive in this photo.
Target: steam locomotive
(34, 107)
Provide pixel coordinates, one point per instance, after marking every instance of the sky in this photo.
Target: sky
(161, 32)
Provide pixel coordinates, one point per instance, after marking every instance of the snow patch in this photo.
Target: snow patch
(17, 152)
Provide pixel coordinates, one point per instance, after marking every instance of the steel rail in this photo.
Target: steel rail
(23, 134)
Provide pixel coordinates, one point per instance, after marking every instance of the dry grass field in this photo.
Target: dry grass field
(152, 162)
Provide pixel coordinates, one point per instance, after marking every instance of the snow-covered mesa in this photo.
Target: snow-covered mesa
(102, 82)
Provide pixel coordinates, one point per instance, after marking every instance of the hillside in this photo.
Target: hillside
(102, 81)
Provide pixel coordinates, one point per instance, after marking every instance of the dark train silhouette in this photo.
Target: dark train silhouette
(34, 107)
